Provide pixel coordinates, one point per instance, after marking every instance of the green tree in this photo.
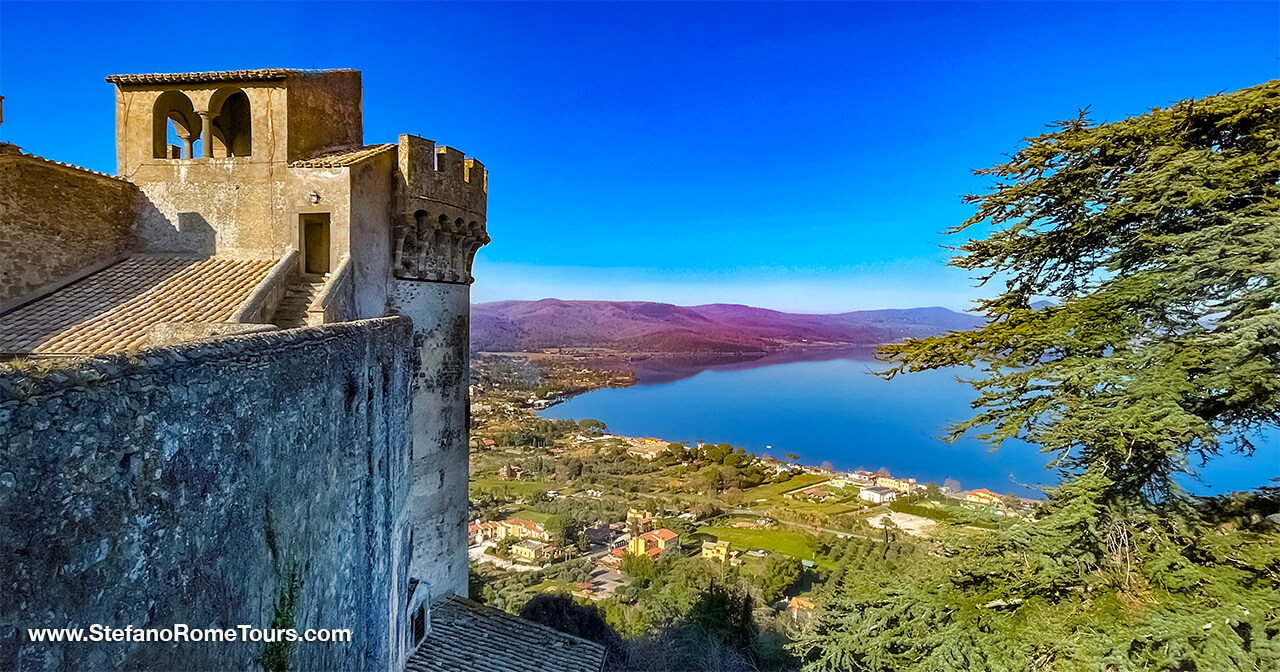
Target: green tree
(640, 567)
(586, 621)
(592, 426)
(557, 527)
(780, 573)
(1156, 237)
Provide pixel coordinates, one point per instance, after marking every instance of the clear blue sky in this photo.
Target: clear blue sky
(796, 156)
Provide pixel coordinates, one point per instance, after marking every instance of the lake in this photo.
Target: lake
(837, 411)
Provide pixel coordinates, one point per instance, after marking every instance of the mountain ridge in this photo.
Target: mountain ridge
(664, 328)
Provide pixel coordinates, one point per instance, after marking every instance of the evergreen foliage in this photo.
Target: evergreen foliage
(1157, 236)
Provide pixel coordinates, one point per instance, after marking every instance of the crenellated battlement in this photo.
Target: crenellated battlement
(441, 175)
(440, 212)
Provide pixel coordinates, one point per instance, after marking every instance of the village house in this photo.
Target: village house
(715, 550)
(863, 477)
(614, 559)
(647, 449)
(511, 472)
(877, 494)
(647, 452)
(982, 497)
(532, 551)
(640, 520)
(816, 494)
(482, 532)
(905, 486)
(799, 607)
(653, 543)
(519, 528)
(600, 534)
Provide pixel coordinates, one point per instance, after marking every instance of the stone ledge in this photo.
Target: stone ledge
(53, 376)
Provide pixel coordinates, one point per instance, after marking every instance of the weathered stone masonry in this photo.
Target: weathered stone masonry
(314, 477)
(56, 219)
(253, 480)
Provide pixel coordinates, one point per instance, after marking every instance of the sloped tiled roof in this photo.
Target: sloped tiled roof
(663, 534)
(114, 308)
(14, 150)
(526, 524)
(342, 158)
(218, 76)
(466, 636)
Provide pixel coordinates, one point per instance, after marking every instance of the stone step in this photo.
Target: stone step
(292, 311)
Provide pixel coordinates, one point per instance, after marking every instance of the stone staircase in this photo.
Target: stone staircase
(292, 311)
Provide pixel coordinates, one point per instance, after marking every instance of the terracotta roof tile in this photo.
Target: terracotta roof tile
(114, 308)
(342, 157)
(466, 636)
(218, 76)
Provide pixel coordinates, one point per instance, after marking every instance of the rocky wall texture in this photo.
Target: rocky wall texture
(56, 219)
(256, 480)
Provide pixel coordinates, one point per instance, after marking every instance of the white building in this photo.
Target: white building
(878, 495)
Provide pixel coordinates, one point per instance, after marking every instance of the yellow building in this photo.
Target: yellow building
(531, 550)
(903, 485)
(982, 497)
(640, 520)
(652, 543)
(715, 550)
(522, 529)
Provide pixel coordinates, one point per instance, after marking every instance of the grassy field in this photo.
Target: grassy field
(516, 488)
(554, 586)
(770, 490)
(793, 544)
(824, 508)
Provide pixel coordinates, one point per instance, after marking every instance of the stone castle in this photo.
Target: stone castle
(237, 387)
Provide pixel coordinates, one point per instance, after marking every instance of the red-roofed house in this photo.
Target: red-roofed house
(653, 543)
(982, 496)
(522, 529)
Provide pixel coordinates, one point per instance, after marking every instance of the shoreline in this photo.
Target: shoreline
(536, 408)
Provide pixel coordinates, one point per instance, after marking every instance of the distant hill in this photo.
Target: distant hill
(640, 326)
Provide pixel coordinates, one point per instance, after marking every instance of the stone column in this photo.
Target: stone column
(188, 145)
(206, 133)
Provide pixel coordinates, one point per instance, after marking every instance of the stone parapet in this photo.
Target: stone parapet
(257, 479)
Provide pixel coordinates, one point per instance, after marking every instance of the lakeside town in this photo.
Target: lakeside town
(567, 507)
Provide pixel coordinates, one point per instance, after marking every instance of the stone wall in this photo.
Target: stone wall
(56, 219)
(325, 110)
(256, 480)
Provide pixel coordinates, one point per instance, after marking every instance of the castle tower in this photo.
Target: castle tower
(268, 163)
(439, 225)
(271, 429)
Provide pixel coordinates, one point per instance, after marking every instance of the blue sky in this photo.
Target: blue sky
(801, 156)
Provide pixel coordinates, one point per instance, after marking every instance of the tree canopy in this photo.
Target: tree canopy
(1157, 236)
(1136, 331)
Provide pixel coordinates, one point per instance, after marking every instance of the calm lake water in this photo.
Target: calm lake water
(837, 411)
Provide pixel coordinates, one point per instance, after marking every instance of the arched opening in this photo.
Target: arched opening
(175, 127)
(233, 125)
